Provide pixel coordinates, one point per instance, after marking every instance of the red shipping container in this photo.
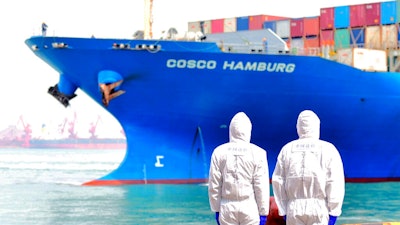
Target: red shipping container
(297, 27)
(217, 26)
(311, 26)
(257, 22)
(326, 37)
(326, 20)
(373, 14)
(357, 15)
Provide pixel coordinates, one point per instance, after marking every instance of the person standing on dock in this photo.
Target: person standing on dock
(238, 187)
(308, 180)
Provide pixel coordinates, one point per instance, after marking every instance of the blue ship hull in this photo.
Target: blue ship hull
(180, 97)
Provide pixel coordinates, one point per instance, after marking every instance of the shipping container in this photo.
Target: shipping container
(389, 36)
(230, 24)
(297, 27)
(357, 37)
(283, 28)
(270, 25)
(357, 15)
(342, 38)
(373, 38)
(327, 37)
(297, 46)
(327, 18)
(242, 23)
(311, 26)
(194, 26)
(397, 11)
(256, 22)
(388, 12)
(341, 17)
(217, 26)
(373, 14)
(312, 46)
(364, 59)
(312, 42)
(205, 26)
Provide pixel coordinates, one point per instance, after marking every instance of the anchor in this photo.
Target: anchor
(109, 83)
(108, 92)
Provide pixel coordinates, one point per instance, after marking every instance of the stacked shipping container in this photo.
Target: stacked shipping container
(371, 25)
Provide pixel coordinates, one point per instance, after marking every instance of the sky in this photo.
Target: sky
(25, 78)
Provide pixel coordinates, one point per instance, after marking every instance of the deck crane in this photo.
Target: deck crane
(148, 19)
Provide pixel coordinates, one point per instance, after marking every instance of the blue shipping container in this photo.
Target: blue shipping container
(242, 23)
(357, 37)
(342, 16)
(270, 24)
(388, 12)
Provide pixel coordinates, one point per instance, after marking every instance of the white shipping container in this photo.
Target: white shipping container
(389, 36)
(364, 59)
(197, 26)
(373, 38)
(194, 26)
(230, 24)
(283, 28)
(297, 46)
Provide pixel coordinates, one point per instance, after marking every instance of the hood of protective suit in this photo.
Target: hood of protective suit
(308, 125)
(240, 128)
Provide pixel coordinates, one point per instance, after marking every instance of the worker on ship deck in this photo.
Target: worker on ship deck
(238, 188)
(44, 29)
(308, 180)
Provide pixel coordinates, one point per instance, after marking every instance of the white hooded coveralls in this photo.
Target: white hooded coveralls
(308, 180)
(239, 178)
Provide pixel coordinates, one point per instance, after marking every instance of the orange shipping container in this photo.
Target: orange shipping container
(312, 46)
(311, 26)
(311, 42)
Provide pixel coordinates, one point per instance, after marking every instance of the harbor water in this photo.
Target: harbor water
(43, 186)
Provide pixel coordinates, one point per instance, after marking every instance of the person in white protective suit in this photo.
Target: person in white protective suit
(308, 180)
(239, 179)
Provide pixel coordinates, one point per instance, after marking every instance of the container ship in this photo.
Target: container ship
(20, 136)
(175, 96)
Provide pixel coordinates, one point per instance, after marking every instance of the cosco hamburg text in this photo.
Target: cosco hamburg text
(231, 65)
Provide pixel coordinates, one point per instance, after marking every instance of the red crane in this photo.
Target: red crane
(62, 126)
(93, 127)
(71, 129)
(27, 132)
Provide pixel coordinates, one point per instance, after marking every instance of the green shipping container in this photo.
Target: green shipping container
(342, 38)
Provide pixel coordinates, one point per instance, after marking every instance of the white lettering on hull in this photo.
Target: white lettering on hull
(276, 67)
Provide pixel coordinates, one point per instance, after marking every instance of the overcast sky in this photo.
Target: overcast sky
(25, 78)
